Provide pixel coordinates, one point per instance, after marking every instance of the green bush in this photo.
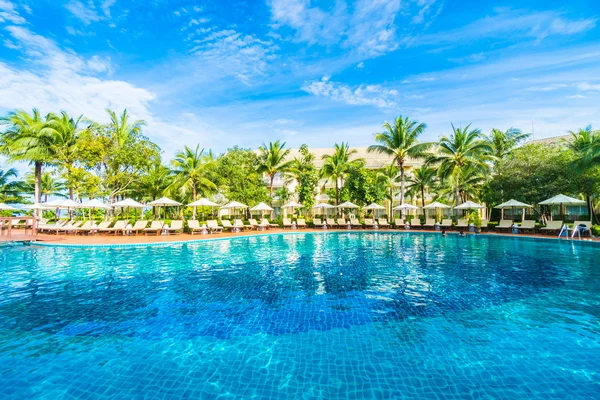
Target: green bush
(596, 230)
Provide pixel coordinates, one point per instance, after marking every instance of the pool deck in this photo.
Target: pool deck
(141, 239)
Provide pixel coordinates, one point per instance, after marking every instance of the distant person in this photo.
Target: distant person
(444, 234)
(462, 233)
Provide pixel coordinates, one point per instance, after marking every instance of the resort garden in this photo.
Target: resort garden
(78, 159)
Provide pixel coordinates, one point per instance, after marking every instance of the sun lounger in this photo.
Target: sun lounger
(341, 223)
(383, 223)
(51, 227)
(446, 223)
(429, 223)
(101, 225)
(527, 226)
(269, 224)
(138, 227)
(355, 222)
(484, 224)
(86, 227)
(462, 224)
(176, 227)
(580, 225)
(398, 223)
(155, 227)
(318, 223)
(504, 225)
(370, 223)
(552, 227)
(415, 223)
(194, 226)
(331, 223)
(213, 226)
(71, 227)
(119, 226)
(301, 223)
(227, 225)
(239, 224)
(287, 223)
(254, 224)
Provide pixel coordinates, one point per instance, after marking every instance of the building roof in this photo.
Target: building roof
(373, 160)
(553, 140)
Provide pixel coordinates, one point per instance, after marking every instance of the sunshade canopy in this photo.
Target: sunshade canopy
(436, 204)
(203, 202)
(261, 207)
(405, 206)
(62, 203)
(6, 207)
(562, 199)
(291, 204)
(374, 206)
(95, 204)
(128, 203)
(164, 202)
(235, 204)
(347, 204)
(512, 203)
(36, 206)
(323, 205)
(468, 205)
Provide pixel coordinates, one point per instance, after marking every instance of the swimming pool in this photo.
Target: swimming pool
(333, 315)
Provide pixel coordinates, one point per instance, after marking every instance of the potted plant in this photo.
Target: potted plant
(475, 221)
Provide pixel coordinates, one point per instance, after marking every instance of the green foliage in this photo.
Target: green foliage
(304, 171)
(363, 186)
(238, 176)
(271, 161)
(11, 189)
(191, 172)
(337, 166)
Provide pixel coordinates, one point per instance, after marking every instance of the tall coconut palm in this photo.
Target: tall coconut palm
(401, 142)
(27, 139)
(336, 166)
(503, 142)
(190, 171)
(421, 181)
(122, 130)
(464, 148)
(11, 190)
(64, 130)
(155, 181)
(272, 161)
(50, 185)
(388, 177)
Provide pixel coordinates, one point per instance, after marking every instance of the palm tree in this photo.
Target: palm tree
(27, 139)
(156, 180)
(10, 189)
(388, 177)
(50, 186)
(64, 130)
(336, 166)
(465, 148)
(401, 142)
(272, 162)
(190, 170)
(121, 130)
(503, 142)
(421, 181)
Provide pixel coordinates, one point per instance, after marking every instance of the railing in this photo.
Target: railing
(9, 224)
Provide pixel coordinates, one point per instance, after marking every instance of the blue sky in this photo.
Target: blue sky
(220, 73)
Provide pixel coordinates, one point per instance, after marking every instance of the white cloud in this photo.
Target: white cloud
(90, 11)
(9, 13)
(372, 95)
(360, 65)
(587, 87)
(509, 23)
(231, 53)
(368, 27)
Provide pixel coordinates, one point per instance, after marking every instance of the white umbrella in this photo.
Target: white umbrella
(347, 205)
(436, 205)
(128, 203)
(93, 204)
(512, 203)
(233, 205)
(36, 206)
(561, 200)
(6, 207)
(323, 206)
(468, 205)
(203, 202)
(292, 205)
(262, 207)
(374, 206)
(405, 206)
(62, 204)
(164, 202)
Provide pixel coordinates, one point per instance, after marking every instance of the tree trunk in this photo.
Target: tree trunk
(194, 194)
(70, 182)
(38, 181)
(422, 196)
(457, 193)
(401, 166)
(271, 190)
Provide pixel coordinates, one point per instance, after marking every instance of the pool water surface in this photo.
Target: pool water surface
(332, 315)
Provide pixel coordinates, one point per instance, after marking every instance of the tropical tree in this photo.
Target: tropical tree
(464, 149)
(421, 181)
(401, 142)
(336, 166)
(190, 171)
(272, 162)
(11, 189)
(388, 177)
(50, 185)
(155, 181)
(502, 142)
(303, 170)
(27, 139)
(64, 131)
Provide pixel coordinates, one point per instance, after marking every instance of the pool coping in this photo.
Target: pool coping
(312, 232)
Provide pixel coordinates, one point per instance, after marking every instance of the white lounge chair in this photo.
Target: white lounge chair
(175, 227)
(213, 226)
(155, 227)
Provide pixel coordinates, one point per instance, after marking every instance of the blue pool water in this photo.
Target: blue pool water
(336, 315)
